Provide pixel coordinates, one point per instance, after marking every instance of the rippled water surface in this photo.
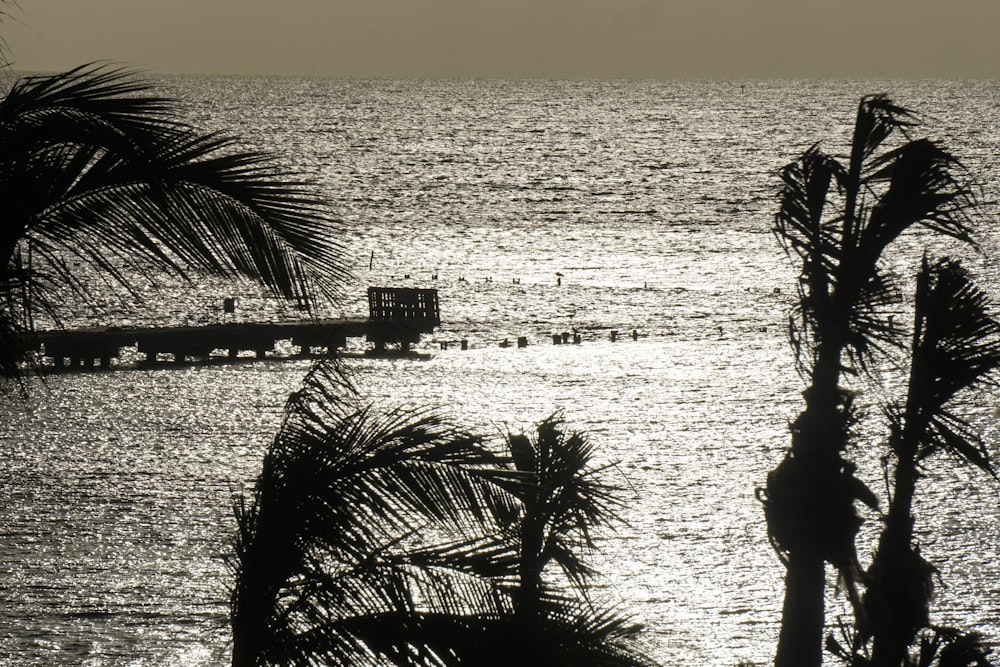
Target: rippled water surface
(652, 199)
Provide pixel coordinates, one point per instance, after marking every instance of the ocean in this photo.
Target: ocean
(535, 208)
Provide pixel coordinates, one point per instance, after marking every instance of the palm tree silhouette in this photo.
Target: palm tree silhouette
(94, 167)
(955, 346)
(837, 220)
(555, 622)
(366, 537)
(395, 538)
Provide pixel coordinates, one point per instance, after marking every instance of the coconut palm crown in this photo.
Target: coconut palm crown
(390, 537)
(366, 537)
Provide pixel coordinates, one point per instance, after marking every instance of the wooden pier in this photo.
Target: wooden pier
(396, 317)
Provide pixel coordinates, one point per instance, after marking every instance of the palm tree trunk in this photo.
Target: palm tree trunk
(528, 600)
(893, 634)
(244, 655)
(800, 643)
(249, 629)
(899, 521)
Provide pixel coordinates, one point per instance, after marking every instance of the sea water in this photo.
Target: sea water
(535, 208)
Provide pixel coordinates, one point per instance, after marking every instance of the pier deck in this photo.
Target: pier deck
(397, 316)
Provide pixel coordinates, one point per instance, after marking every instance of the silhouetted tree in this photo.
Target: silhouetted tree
(837, 220)
(563, 502)
(96, 168)
(558, 510)
(394, 538)
(933, 646)
(332, 561)
(955, 346)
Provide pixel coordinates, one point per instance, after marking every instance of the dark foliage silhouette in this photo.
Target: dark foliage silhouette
(393, 537)
(837, 220)
(565, 500)
(322, 568)
(955, 347)
(95, 168)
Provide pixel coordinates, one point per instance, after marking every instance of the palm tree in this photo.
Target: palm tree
(559, 508)
(933, 646)
(955, 346)
(95, 168)
(837, 220)
(367, 537)
(395, 538)
(563, 502)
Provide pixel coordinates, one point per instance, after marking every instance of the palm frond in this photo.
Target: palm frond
(800, 224)
(949, 647)
(956, 346)
(95, 166)
(922, 189)
(569, 635)
(803, 230)
(329, 534)
(877, 119)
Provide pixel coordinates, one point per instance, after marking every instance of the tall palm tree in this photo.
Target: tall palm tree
(95, 167)
(837, 219)
(955, 346)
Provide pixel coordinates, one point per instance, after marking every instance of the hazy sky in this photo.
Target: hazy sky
(513, 38)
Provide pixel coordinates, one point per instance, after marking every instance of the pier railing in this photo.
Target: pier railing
(416, 308)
